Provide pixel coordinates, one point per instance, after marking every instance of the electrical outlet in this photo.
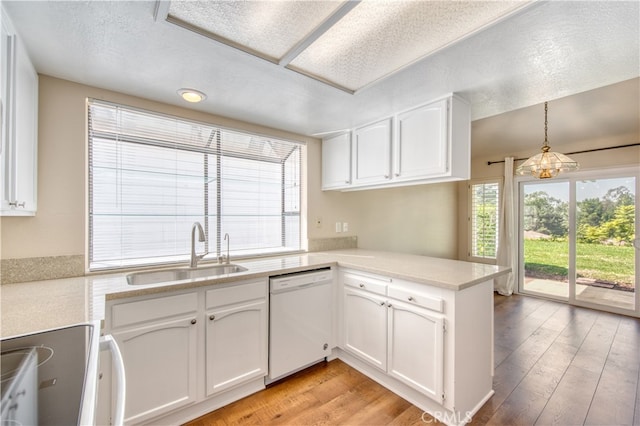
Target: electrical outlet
(318, 222)
(345, 227)
(338, 226)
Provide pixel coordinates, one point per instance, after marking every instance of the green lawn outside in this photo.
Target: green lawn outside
(550, 259)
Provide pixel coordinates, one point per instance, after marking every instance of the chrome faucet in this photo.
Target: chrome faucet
(227, 239)
(194, 256)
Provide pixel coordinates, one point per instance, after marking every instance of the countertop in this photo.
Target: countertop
(39, 305)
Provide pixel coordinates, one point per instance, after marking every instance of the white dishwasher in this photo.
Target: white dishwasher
(300, 325)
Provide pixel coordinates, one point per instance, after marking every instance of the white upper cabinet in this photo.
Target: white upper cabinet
(19, 111)
(421, 147)
(336, 161)
(371, 153)
(425, 144)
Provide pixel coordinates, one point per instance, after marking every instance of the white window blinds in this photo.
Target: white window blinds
(151, 176)
(484, 206)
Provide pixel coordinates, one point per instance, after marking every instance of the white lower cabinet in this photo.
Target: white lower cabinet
(236, 337)
(405, 341)
(365, 326)
(160, 376)
(430, 345)
(416, 348)
(158, 340)
(187, 353)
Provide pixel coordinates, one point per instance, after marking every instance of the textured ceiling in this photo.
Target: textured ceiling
(270, 28)
(546, 51)
(369, 41)
(608, 115)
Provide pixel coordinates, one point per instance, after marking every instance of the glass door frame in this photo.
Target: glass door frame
(572, 178)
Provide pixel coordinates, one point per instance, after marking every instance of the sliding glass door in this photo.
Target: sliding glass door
(605, 229)
(576, 239)
(544, 208)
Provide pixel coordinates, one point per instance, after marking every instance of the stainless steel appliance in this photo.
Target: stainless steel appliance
(19, 387)
(300, 325)
(65, 371)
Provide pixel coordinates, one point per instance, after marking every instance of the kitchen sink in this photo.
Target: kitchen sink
(179, 274)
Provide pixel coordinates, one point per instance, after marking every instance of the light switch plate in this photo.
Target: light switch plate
(338, 226)
(345, 226)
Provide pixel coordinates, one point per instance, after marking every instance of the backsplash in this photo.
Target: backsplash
(340, 243)
(40, 268)
(55, 267)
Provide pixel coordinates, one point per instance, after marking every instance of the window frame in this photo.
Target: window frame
(215, 245)
(470, 227)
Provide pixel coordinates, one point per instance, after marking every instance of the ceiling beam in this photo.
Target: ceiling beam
(318, 32)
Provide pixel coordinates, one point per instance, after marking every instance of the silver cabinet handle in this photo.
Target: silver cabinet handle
(386, 176)
(411, 299)
(212, 317)
(361, 285)
(17, 204)
(193, 321)
(397, 174)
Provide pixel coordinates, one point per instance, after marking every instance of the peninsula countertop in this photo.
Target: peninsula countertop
(39, 305)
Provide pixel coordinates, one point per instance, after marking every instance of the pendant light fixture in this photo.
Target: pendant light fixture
(547, 164)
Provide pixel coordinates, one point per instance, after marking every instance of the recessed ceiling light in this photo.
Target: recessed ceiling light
(192, 95)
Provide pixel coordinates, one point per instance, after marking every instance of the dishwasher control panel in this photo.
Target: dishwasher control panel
(300, 279)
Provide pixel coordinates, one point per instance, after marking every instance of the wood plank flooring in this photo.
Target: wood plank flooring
(555, 365)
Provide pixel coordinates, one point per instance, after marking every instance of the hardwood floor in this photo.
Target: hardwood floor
(326, 394)
(555, 365)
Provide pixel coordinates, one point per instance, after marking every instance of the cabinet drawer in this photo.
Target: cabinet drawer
(417, 298)
(236, 293)
(374, 285)
(152, 309)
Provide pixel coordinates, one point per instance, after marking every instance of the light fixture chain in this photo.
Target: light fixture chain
(545, 124)
(547, 164)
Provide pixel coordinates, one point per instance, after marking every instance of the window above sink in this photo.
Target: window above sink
(151, 176)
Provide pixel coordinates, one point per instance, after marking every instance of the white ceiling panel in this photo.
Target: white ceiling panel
(268, 29)
(378, 38)
(367, 40)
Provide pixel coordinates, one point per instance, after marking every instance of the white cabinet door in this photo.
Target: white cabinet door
(160, 367)
(365, 326)
(26, 133)
(236, 344)
(19, 126)
(336, 162)
(416, 348)
(371, 153)
(421, 148)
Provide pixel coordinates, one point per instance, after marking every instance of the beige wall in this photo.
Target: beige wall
(58, 228)
(414, 220)
(423, 219)
(612, 158)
